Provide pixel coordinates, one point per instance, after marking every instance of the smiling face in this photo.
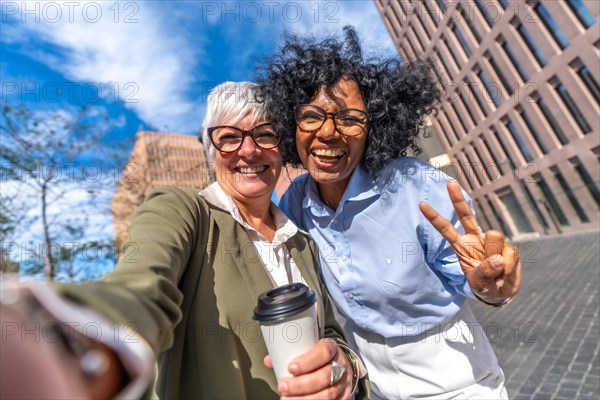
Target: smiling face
(250, 173)
(329, 156)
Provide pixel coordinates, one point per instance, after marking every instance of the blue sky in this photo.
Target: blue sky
(151, 63)
(148, 64)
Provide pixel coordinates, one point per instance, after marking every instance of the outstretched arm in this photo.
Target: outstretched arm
(490, 264)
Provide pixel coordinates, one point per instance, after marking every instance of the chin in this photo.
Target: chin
(257, 190)
(323, 176)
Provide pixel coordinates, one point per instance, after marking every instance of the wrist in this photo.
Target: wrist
(493, 303)
(350, 356)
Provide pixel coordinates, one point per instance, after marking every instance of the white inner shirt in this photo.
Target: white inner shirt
(274, 255)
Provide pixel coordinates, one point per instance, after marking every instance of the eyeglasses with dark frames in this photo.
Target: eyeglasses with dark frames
(228, 139)
(348, 121)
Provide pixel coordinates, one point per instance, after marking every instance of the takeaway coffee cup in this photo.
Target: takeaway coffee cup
(288, 320)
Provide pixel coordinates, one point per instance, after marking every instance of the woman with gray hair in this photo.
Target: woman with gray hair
(201, 261)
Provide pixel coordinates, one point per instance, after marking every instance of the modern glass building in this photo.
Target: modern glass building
(520, 117)
(157, 159)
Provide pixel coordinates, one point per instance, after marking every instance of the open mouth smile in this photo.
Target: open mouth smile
(252, 170)
(328, 156)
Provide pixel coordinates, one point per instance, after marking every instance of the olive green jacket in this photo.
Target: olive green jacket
(188, 282)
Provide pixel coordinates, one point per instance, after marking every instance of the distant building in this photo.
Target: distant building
(520, 120)
(157, 159)
(288, 174)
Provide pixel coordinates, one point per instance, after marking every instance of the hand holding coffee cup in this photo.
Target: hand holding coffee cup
(288, 321)
(313, 373)
(303, 364)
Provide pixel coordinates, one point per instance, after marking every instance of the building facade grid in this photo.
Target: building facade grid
(157, 159)
(520, 115)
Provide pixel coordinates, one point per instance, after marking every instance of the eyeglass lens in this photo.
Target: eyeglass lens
(348, 121)
(230, 138)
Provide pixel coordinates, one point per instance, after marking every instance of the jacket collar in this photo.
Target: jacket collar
(236, 243)
(215, 195)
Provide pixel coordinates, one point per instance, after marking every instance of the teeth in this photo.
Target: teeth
(328, 152)
(253, 170)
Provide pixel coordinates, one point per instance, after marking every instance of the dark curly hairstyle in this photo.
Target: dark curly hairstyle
(397, 95)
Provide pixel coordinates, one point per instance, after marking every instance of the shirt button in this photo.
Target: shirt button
(363, 326)
(351, 295)
(344, 258)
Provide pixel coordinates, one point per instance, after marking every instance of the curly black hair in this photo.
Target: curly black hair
(398, 95)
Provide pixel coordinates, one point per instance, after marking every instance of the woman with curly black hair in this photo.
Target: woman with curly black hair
(399, 271)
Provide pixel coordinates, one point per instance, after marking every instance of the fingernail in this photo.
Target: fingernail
(293, 368)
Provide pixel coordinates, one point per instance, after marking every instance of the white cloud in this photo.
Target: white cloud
(150, 54)
(127, 48)
(66, 200)
(249, 36)
(322, 18)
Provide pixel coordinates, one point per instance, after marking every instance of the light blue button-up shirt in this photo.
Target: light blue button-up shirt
(385, 265)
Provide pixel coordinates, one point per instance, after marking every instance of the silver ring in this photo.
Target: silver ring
(337, 371)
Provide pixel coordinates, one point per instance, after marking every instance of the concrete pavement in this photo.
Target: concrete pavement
(548, 339)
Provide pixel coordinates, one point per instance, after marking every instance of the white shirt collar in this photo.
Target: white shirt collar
(215, 195)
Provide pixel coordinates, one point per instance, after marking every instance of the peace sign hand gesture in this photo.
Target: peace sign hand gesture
(491, 265)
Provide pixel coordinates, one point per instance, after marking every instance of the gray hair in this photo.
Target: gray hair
(230, 102)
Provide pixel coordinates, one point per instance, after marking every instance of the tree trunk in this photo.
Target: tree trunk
(47, 244)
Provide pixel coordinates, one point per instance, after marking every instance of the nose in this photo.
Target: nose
(248, 148)
(327, 131)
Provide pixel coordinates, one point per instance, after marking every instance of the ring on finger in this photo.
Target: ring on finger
(337, 371)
